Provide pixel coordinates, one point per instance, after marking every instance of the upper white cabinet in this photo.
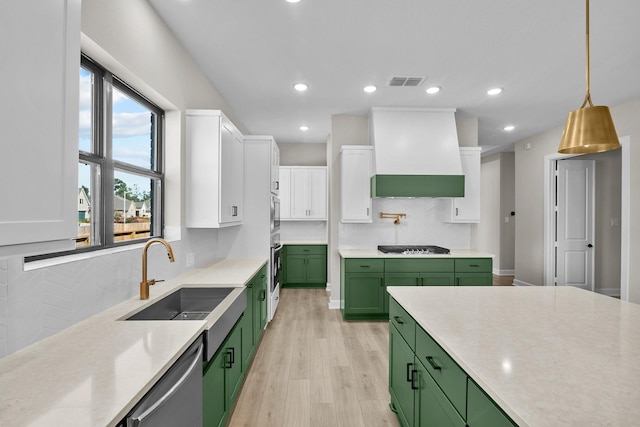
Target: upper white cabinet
(303, 193)
(466, 209)
(214, 175)
(275, 167)
(39, 110)
(355, 183)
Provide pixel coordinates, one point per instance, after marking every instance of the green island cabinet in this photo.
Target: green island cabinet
(304, 266)
(364, 281)
(224, 374)
(426, 385)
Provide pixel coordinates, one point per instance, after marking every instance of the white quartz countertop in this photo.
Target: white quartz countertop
(548, 356)
(374, 253)
(94, 372)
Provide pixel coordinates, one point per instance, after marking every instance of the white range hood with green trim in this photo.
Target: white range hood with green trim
(416, 153)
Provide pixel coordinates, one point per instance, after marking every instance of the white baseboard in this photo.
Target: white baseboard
(328, 287)
(334, 304)
(517, 282)
(504, 272)
(612, 292)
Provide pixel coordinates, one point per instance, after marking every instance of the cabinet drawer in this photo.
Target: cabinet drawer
(364, 265)
(306, 249)
(451, 379)
(404, 323)
(474, 279)
(419, 265)
(473, 265)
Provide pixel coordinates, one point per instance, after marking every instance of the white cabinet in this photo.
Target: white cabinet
(466, 209)
(39, 110)
(275, 167)
(303, 193)
(355, 183)
(214, 175)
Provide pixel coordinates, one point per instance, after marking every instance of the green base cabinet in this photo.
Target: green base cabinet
(304, 266)
(359, 299)
(363, 292)
(427, 386)
(222, 379)
(224, 374)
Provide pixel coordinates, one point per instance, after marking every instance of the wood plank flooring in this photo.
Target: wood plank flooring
(312, 369)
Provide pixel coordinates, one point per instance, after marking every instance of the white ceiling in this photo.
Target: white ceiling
(255, 50)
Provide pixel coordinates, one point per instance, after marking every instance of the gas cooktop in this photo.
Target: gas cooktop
(413, 250)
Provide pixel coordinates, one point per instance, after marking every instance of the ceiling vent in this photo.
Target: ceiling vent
(403, 81)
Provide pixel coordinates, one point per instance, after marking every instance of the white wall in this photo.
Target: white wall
(530, 193)
(301, 154)
(127, 37)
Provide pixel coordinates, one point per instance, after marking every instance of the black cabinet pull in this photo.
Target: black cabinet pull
(233, 355)
(365, 266)
(409, 376)
(474, 265)
(229, 363)
(433, 364)
(398, 320)
(414, 376)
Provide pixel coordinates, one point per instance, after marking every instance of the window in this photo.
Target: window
(120, 177)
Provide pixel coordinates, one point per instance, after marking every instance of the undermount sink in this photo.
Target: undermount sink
(184, 304)
(196, 304)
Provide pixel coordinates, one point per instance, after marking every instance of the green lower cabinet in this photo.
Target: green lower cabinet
(482, 412)
(400, 373)
(474, 279)
(222, 379)
(432, 406)
(259, 308)
(304, 266)
(364, 296)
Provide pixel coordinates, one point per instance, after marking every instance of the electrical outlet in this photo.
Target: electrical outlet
(191, 259)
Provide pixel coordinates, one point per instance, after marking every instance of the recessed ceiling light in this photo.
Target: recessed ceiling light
(304, 128)
(433, 90)
(300, 87)
(370, 89)
(508, 128)
(293, 1)
(494, 91)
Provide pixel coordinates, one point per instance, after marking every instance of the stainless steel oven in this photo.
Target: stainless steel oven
(275, 214)
(275, 267)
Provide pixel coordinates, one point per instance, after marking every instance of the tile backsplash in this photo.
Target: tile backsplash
(422, 226)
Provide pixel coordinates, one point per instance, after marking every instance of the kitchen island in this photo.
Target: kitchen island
(94, 372)
(545, 356)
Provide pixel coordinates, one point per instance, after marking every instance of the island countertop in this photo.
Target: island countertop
(94, 372)
(548, 356)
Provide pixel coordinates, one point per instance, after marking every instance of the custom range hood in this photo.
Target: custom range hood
(416, 153)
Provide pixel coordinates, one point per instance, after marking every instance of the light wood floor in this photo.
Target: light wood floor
(313, 369)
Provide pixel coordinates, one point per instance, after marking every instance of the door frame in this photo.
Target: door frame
(625, 214)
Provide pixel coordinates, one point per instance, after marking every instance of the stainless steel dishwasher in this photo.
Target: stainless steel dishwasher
(176, 399)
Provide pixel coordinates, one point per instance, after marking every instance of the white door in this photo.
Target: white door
(575, 223)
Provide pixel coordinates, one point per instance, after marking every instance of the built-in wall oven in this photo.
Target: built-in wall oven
(274, 266)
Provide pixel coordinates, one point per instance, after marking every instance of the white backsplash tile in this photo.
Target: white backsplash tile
(303, 230)
(421, 226)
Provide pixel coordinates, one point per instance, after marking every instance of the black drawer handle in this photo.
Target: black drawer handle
(433, 364)
(409, 377)
(398, 320)
(474, 265)
(414, 376)
(229, 363)
(365, 266)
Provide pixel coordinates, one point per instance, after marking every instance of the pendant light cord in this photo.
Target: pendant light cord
(587, 97)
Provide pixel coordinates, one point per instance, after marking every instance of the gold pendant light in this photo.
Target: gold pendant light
(589, 129)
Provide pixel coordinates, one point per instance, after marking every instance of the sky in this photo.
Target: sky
(131, 128)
